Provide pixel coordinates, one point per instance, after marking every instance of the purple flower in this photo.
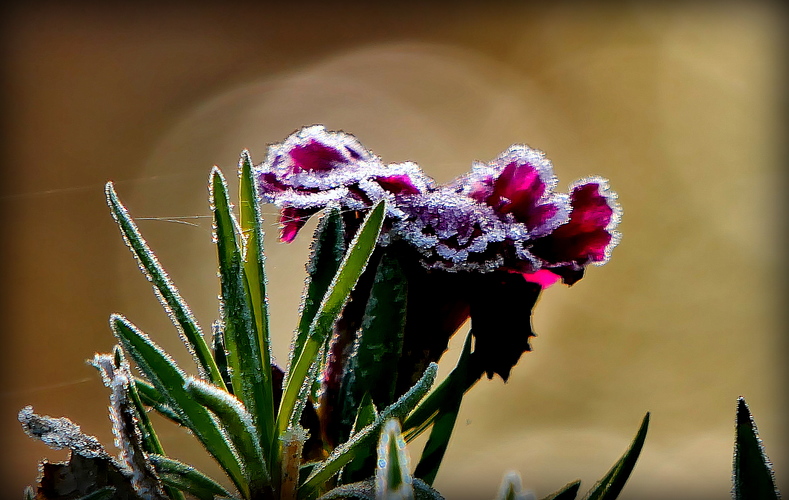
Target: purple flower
(313, 169)
(482, 246)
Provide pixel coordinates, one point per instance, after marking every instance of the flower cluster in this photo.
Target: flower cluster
(504, 215)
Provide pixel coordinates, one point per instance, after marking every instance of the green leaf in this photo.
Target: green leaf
(378, 344)
(169, 380)
(609, 487)
(186, 478)
(444, 423)
(299, 376)
(753, 474)
(568, 492)
(364, 462)
(328, 249)
(392, 477)
(511, 487)
(244, 355)
(239, 426)
(168, 294)
(462, 377)
(220, 353)
(251, 221)
(150, 440)
(365, 490)
(365, 438)
(150, 396)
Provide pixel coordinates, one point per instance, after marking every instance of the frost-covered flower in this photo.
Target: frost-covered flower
(483, 245)
(314, 168)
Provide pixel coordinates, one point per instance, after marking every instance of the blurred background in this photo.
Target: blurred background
(681, 105)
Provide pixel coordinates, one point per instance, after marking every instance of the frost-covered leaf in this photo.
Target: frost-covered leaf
(251, 222)
(609, 487)
(240, 334)
(365, 490)
(239, 426)
(363, 464)
(327, 251)
(188, 479)
(567, 492)
(512, 489)
(301, 372)
(150, 396)
(125, 426)
(169, 380)
(444, 421)
(753, 474)
(165, 290)
(378, 344)
(366, 437)
(393, 480)
(462, 377)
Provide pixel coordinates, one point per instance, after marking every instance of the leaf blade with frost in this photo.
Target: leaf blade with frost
(171, 299)
(187, 478)
(239, 426)
(753, 476)
(240, 334)
(251, 221)
(169, 380)
(299, 376)
(444, 422)
(366, 437)
(609, 487)
(393, 480)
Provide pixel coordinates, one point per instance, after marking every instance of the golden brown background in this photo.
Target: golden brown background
(679, 105)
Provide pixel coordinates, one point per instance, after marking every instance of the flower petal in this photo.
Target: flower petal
(590, 235)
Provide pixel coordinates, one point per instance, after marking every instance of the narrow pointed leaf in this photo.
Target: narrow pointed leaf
(568, 492)
(511, 487)
(393, 479)
(753, 475)
(459, 381)
(365, 490)
(301, 372)
(244, 357)
(251, 221)
(609, 487)
(239, 426)
(176, 307)
(378, 344)
(366, 438)
(186, 478)
(220, 353)
(327, 251)
(444, 422)
(150, 396)
(150, 440)
(169, 380)
(363, 464)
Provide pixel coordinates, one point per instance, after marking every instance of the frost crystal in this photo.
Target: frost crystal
(502, 215)
(59, 433)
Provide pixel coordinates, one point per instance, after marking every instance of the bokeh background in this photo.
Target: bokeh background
(681, 105)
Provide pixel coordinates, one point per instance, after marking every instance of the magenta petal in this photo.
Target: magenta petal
(589, 235)
(397, 184)
(290, 221)
(315, 156)
(517, 190)
(543, 277)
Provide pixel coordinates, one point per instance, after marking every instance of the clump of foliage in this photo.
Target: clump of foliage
(359, 384)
